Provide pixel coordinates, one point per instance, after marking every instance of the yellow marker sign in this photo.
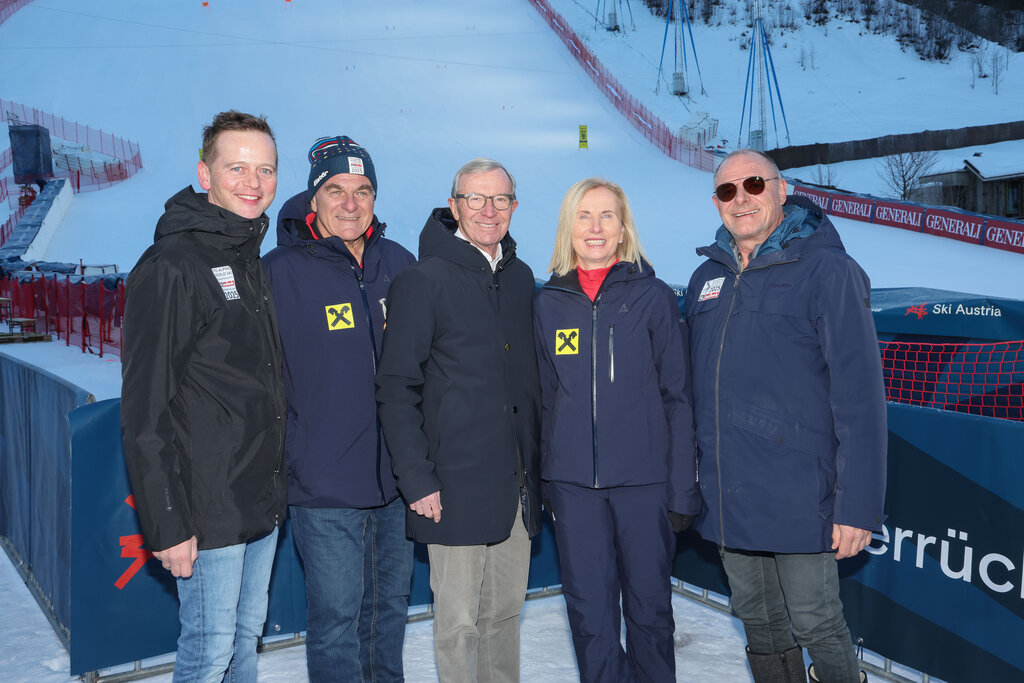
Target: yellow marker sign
(583, 137)
(567, 342)
(339, 317)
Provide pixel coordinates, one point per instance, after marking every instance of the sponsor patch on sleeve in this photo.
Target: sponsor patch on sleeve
(226, 280)
(711, 289)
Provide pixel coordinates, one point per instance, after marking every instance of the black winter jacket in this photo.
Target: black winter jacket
(202, 402)
(331, 311)
(458, 390)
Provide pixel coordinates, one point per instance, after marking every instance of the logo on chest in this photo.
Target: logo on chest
(567, 342)
(711, 289)
(339, 317)
(226, 280)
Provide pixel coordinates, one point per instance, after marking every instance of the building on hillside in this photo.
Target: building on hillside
(989, 183)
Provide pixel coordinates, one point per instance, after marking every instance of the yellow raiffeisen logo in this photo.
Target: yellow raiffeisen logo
(567, 342)
(339, 317)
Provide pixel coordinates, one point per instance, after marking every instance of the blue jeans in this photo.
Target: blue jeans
(223, 609)
(785, 599)
(358, 566)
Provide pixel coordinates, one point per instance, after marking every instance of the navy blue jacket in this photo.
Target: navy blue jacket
(616, 385)
(331, 315)
(789, 402)
(458, 389)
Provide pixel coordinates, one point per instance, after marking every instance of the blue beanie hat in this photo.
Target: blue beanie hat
(340, 154)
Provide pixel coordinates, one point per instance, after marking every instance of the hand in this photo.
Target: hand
(179, 558)
(429, 506)
(847, 541)
(680, 522)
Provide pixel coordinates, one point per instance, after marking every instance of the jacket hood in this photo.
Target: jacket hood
(438, 239)
(295, 232)
(804, 227)
(189, 211)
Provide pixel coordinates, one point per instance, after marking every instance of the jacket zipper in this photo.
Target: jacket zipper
(718, 403)
(358, 272)
(718, 372)
(593, 385)
(523, 492)
(261, 290)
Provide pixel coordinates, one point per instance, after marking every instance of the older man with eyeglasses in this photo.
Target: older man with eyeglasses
(458, 393)
(790, 418)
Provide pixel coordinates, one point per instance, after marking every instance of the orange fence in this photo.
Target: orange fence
(982, 379)
(639, 116)
(9, 7)
(88, 176)
(83, 314)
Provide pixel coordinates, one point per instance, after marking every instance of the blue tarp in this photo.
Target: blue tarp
(35, 474)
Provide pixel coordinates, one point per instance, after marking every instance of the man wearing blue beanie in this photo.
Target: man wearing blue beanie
(330, 276)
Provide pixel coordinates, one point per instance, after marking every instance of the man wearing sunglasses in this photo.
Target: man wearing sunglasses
(790, 417)
(458, 393)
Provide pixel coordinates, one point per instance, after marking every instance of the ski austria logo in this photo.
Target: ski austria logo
(567, 342)
(921, 310)
(711, 289)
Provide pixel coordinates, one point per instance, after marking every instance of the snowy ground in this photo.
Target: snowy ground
(709, 645)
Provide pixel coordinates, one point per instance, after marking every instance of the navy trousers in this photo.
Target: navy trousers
(617, 544)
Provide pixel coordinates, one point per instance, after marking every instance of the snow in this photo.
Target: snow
(425, 87)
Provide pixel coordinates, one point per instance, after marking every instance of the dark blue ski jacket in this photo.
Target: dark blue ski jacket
(615, 385)
(331, 314)
(789, 402)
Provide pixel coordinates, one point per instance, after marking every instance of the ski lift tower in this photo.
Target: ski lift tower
(677, 9)
(760, 80)
(609, 13)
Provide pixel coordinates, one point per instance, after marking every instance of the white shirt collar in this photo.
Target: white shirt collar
(492, 262)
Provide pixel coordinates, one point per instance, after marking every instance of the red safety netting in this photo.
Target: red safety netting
(8, 226)
(639, 116)
(84, 176)
(4, 193)
(85, 315)
(982, 379)
(9, 7)
(6, 158)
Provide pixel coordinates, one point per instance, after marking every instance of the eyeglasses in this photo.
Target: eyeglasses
(501, 202)
(726, 192)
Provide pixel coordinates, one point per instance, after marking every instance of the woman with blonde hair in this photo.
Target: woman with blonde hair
(618, 467)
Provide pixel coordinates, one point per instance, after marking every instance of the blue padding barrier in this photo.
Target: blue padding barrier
(942, 588)
(35, 475)
(934, 315)
(125, 608)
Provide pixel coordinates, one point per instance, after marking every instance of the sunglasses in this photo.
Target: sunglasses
(726, 192)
